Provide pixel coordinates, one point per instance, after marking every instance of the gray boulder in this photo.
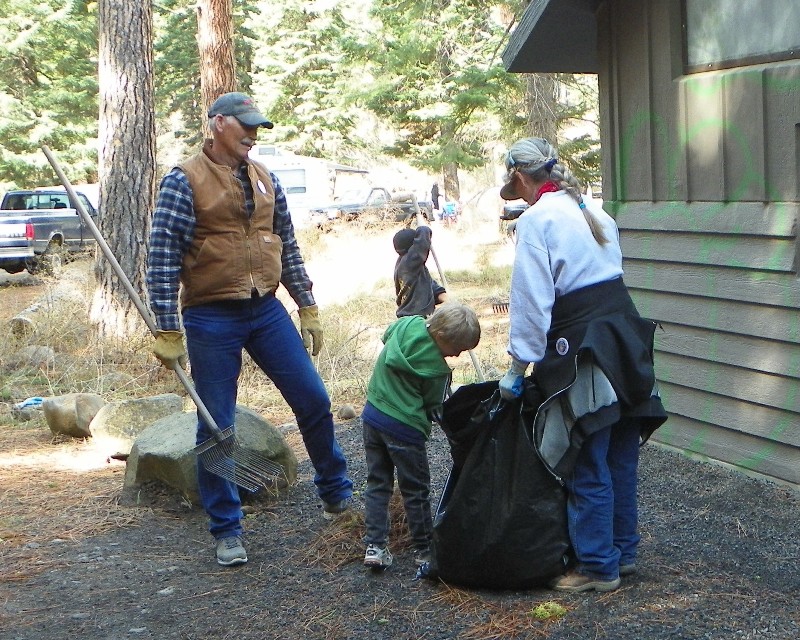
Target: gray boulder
(164, 452)
(32, 357)
(71, 413)
(117, 424)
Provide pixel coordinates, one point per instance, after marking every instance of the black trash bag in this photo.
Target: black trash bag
(501, 522)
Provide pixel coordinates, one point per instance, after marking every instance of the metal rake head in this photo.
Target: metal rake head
(500, 306)
(226, 458)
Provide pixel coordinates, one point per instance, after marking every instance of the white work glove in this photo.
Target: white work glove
(511, 384)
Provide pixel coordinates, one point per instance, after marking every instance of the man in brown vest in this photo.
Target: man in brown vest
(223, 236)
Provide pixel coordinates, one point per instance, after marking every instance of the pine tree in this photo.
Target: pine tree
(48, 90)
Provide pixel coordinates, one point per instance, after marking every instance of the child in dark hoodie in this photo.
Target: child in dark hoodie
(407, 387)
(417, 292)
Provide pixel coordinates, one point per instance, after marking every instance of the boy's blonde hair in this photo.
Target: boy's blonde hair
(455, 324)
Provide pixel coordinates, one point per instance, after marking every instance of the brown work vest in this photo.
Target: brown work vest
(232, 257)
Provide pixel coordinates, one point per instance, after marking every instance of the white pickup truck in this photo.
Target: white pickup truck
(39, 228)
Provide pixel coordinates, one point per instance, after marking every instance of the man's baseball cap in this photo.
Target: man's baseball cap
(241, 107)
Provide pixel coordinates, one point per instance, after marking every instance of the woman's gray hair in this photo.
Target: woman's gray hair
(537, 158)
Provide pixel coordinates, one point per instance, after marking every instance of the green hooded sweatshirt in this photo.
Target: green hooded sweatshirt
(411, 375)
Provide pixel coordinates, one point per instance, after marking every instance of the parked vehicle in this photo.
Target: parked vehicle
(40, 228)
(508, 217)
(513, 210)
(307, 181)
(372, 203)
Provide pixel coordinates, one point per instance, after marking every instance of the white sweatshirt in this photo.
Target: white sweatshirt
(555, 254)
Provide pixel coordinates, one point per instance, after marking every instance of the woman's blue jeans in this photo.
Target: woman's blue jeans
(601, 507)
(216, 334)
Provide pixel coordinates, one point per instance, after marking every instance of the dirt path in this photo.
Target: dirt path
(349, 267)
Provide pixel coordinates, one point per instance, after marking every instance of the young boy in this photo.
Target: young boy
(417, 292)
(407, 386)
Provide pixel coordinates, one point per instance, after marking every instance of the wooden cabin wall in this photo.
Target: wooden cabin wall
(701, 173)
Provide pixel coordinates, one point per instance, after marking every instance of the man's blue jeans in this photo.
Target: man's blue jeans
(215, 336)
(601, 507)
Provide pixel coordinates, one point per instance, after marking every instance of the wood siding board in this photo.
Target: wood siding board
(767, 254)
(743, 134)
(684, 121)
(761, 287)
(750, 454)
(703, 137)
(768, 356)
(669, 171)
(770, 323)
(635, 108)
(734, 415)
(755, 387)
(781, 120)
(608, 96)
(776, 219)
(654, 116)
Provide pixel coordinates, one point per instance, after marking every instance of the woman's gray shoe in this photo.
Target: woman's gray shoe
(230, 551)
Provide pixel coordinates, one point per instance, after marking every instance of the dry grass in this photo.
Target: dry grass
(500, 620)
(341, 541)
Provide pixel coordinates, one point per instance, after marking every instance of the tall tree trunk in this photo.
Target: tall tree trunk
(127, 162)
(541, 98)
(215, 43)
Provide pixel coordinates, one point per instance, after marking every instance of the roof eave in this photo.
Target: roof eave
(554, 36)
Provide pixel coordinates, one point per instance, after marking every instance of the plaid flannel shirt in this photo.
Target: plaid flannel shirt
(172, 233)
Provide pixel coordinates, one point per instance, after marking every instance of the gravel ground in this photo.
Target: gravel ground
(719, 559)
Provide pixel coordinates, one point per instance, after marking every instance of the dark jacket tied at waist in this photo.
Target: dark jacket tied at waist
(597, 371)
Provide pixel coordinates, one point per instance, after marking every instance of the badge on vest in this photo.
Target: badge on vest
(562, 346)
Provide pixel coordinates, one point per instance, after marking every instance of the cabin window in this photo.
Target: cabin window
(719, 34)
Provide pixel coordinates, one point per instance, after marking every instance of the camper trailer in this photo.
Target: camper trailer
(308, 182)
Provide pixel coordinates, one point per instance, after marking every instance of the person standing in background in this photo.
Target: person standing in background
(435, 195)
(417, 292)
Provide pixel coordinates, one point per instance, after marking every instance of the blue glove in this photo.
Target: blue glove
(511, 384)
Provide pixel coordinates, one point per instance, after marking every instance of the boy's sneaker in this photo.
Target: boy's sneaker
(421, 556)
(627, 569)
(377, 557)
(574, 582)
(332, 510)
(230, 551)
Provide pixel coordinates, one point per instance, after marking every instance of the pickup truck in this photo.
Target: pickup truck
(375, 204)
(40, 228)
